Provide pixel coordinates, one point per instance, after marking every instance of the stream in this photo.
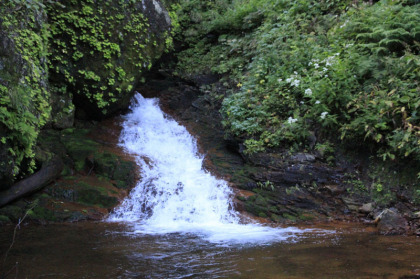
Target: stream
(179, 222)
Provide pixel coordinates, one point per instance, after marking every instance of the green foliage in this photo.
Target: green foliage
(328, 67)
(24, 99)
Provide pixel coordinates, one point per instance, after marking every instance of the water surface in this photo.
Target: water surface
(109, 250)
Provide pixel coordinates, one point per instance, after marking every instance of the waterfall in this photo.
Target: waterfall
(175, 193)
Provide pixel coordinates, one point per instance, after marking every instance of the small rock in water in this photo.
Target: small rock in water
(390, 222)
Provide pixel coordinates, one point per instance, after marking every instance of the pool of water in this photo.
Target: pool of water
(112, 250)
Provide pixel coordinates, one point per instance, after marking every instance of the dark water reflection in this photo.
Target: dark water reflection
(101, 250)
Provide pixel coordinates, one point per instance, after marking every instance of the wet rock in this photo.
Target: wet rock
(333, 190)
(390, 222)
(297, 174)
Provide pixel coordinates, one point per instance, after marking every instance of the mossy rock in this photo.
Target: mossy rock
(113, 167)
(120, 184)
(306, 217)
(100, 50)
(78, 146)
(276, 218)
(95, 197)
(73, 190)
(262, 215)
(105, 164)
(261, 201)
(273, 209)
(289, 217)
(23, 85)
(255, 209)
(41, 214)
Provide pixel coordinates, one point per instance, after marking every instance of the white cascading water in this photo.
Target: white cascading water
(175, 194)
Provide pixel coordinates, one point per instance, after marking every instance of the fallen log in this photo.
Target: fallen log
(33, 183)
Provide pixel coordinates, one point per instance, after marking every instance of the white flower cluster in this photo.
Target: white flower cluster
(291, 120)
(293, 80)
(329, 61)
(315, 63)
(323, 114)
(308, 92)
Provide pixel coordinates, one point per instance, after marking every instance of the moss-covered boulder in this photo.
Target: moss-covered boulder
(113, 167)
(100, 49)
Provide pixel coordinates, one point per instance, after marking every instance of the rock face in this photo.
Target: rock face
(101, 49)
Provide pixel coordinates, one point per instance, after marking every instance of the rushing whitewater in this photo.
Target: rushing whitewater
(175, 194)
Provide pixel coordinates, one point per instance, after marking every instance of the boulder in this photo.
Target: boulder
(390, 222)
(366, 208)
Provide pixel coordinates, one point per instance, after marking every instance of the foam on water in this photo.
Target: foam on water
(175, 194)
